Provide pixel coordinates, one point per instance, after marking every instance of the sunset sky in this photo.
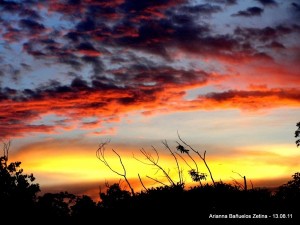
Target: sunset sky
(225, 74)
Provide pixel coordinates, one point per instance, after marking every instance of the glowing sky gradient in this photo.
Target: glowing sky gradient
(225, 74)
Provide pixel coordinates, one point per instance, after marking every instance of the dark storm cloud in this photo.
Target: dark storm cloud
(103, 83)
(296, 6)
(73, 36)
(153, 27)
(287, 94)
(96, 63)
(10, 6)
(179, 31)
(295, 12)
(265, 34)
(142, 6)
(29, 13)
(106, 11)
(28, 25)
(225, 96)
(28, 93)
(25, 66)
(73, 55)
(23, 8)
(71, 60)
(201, 9)
(150, 26)
(87, 24)
(249, 100)
(79, 84)
(151, 37)
(6, 93)
(11, 34)
(32, 50)
(249, 12)
(11, 71)
(276, 45)
(121, 82)
(87, 49)
(138, 75)
(86, 46)
(227, 2)
(268, 2)
(31, 25)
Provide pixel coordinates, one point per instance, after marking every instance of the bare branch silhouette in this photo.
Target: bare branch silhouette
(101, 156)
(237, 183)
(244, 178)
(142, 182)
(195, 174)
(165, 143)
(183, 159)
(154, 162)
(4, 158)
(201, 157)
(251, 184)
(157, 181)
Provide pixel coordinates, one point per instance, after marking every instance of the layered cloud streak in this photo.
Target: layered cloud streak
(124, 56)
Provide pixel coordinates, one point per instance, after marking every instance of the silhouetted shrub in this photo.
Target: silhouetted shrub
(55, 206)
(115, 197)
(288, 194)
(17, 191)
(297, 134)
(84, 210)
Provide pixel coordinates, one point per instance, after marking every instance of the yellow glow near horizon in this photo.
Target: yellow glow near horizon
(79, 164)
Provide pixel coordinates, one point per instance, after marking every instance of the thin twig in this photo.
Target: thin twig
(202, 157)
(154, 162)
(142, 182)
(177, 164)
(156, 180)
(101, 156)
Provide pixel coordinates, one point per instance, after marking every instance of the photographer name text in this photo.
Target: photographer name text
(251, 216)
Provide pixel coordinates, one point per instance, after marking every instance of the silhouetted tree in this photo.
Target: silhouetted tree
(291, 189)
(115, 197)
(17, 191)
(297, 134)
(84, 210)
(55, 206)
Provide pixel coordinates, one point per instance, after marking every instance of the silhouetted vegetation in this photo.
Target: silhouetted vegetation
(168, 202)
(297, 134)
(18, 193)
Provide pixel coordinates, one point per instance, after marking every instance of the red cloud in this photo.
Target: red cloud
(250, 100)
(91, 53)
(17, 116)
(119, 41)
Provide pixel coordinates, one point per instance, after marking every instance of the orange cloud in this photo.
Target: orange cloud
(17, 116)
(159, 90)
(91, 53)
(109, 131)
